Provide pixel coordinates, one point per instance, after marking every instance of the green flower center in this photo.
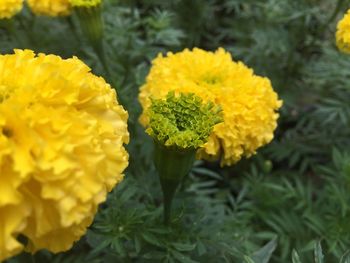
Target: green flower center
(182, 121)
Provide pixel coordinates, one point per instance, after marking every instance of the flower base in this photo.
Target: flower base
(172, 165)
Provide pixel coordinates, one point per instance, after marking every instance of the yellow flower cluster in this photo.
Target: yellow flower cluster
(50, 7)
(9, 8)
(343, 33)
(85, 3)
(61, 149)
(248, 101)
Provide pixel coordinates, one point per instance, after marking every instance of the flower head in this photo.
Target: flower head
(8, 8)
(61, 149)
(85, 3)
(343, 33)
(248, 101)
(183, 122)
(50, 7)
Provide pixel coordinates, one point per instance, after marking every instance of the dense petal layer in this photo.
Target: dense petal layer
(61, 149)
(9, 8)
(50, 7)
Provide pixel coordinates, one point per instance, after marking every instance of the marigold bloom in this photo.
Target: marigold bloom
(343, 33)
(248, 101)
(8, 8)
(61, 149)
(50, 7)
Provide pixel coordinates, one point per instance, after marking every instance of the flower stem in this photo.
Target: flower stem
(9, 26)
(101, 53)
(172, 165)
(335, 12)
(169, 188)
(91, 23)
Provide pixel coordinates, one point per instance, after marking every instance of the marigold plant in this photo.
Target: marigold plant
(50, 7)
(61, 150)
(179, 125)
(248, 101)
(343, 33)
(9, 8)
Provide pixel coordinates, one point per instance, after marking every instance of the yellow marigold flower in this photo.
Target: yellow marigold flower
(343, 33)
(85, 3)
(50, 7)
(61, 149)
(8, 8)
(248, 101)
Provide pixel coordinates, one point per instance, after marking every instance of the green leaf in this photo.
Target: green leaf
(184, 247)
(264, 254)
(201, 249)
(154, 255)
(118, 247)
(207, 172)
(318, 252)
(295, 257)
(248, 259)
(101, 246)
(182, 258)
(137, 245)
(152, 239)
(345, 258)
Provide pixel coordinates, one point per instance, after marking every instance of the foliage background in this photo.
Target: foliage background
(279, 206)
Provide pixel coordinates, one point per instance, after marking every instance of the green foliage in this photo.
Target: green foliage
(300, 209)
(318, 255)
(270, 208)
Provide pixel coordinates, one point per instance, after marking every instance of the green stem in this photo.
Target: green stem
(9, 25)
(172, 165)
(169, 188)
(324, 26)
(332, 16)
(335, 12)
(91, 23)
(70, 22)
(101, 53)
